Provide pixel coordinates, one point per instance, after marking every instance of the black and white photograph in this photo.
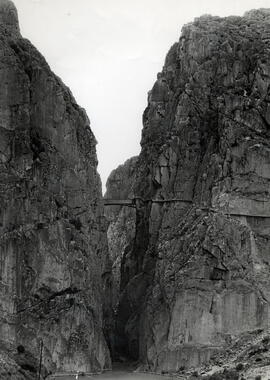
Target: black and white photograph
(134, 189)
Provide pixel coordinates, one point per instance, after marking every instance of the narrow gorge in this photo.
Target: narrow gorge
(175, 281)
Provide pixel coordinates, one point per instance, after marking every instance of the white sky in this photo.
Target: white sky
(109, 51)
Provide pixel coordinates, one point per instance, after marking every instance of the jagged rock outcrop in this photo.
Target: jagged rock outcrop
(54, 267)
(198, 274)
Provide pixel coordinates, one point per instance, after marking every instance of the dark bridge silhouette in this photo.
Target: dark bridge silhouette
(119, 202)
(138, 202)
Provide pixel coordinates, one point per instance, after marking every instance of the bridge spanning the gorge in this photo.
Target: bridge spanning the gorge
(138, 202)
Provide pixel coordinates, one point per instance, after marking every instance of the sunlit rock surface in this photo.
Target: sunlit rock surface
(54, 266)
(197, 277)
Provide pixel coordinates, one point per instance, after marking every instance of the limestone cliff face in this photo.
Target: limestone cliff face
(198, 274)
(54, 266)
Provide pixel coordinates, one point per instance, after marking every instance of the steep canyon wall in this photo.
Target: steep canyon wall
(196, 274)
(54, 265)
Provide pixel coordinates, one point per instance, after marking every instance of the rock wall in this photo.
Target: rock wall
(121, 231)
(121, 228)
(198, 274)
(54, 266)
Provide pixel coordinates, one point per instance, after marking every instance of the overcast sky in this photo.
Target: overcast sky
(109, 51)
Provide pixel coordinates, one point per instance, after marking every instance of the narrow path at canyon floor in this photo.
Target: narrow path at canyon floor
(129, 375)
(120, 371)
(113, 375)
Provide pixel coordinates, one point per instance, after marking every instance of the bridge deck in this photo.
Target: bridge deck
(118, 202)
(133, 203)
